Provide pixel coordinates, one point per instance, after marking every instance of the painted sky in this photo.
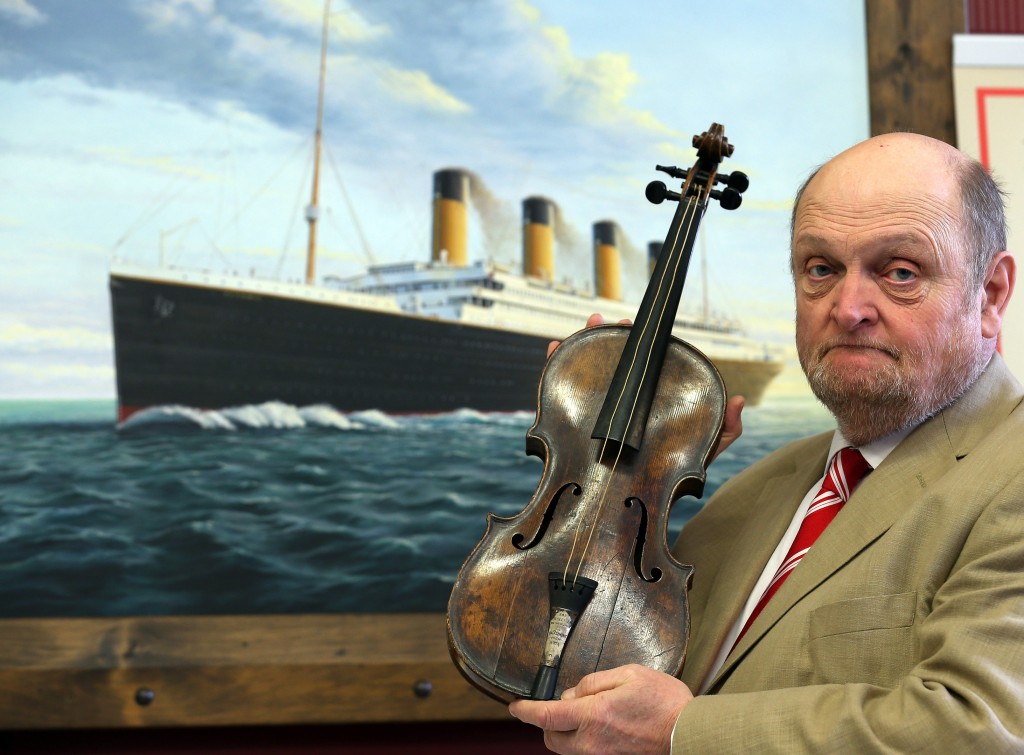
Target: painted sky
(183, 129)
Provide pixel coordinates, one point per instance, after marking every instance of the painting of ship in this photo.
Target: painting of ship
(410, 337)
(421, 336)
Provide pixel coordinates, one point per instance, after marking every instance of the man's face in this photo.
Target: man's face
(886, 331)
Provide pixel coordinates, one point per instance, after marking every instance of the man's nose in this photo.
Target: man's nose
(855, 302)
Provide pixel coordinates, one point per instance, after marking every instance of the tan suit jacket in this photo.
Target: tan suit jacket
(902, 630)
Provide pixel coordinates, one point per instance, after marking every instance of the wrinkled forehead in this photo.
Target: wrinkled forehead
(874, 202)
(907, 166)
(882, 184)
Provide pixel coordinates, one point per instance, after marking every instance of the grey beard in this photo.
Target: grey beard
(871, 405)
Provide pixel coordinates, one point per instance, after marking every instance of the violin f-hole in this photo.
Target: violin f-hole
(641, 539)
(549, 513)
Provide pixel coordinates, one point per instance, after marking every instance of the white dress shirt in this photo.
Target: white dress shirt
(874, 453)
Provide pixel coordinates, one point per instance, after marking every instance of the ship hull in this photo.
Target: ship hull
(208, 347)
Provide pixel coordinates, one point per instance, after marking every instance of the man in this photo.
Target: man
(902, 629)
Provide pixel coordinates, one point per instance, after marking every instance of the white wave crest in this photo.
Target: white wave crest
(277, 415)
(376, 418)
(273, 415)
(176, 414)
(469, 415)
(324, 415)
(476, 417)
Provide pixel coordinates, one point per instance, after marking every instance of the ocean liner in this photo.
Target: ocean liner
(419, 336)
(408, 337)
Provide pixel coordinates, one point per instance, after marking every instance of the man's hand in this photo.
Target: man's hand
(733, 428)
(594, 319)
(630, 709)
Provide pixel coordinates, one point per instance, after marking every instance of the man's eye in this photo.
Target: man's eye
(819, 271)
(902, 274)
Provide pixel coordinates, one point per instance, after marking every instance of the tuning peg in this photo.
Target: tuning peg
(657, 193)
(736, 180)
(729, 198)
(672, 171)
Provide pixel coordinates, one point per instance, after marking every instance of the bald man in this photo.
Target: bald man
(901, 628)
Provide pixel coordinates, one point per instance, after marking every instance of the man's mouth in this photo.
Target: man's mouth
(883, 348)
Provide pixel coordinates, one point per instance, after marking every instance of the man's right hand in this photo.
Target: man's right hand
(733, 426)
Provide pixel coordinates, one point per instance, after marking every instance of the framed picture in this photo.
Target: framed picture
(280, 284)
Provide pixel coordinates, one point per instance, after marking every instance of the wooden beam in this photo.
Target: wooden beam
(231, 670)
(910, 65)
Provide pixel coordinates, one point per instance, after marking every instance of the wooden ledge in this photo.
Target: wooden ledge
(231, 670)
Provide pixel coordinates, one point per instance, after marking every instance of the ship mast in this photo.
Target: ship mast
(313, 210)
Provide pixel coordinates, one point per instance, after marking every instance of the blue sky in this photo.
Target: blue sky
(134, 125)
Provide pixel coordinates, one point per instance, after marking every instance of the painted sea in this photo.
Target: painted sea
(271, 508)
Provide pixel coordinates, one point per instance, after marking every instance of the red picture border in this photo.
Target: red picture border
(981, 96)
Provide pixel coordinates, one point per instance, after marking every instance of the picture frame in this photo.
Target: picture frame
(179, 671)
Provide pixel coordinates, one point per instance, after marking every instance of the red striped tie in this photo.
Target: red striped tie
(847, 469)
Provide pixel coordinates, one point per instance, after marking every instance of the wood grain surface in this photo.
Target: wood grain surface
(82, 673)
(910, 65)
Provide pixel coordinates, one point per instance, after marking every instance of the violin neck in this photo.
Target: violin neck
(623, 415)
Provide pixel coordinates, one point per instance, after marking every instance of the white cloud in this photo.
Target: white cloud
(165, 13)
(25, 338)
(596, 88)
(416, 87)
(162, 164)
(22, 12)
(58, 371)
(346, 23)
(22, 380)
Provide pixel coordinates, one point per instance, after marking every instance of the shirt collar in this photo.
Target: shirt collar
(874, 452)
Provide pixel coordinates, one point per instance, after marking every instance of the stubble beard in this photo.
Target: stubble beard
(871, 403)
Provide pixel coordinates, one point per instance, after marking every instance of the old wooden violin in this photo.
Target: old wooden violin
(628, 418)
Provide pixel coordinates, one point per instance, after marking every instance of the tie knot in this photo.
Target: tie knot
(846, 471)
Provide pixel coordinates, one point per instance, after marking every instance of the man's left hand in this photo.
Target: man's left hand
(630, 709)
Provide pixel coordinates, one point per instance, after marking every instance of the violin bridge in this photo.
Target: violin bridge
(568, 600)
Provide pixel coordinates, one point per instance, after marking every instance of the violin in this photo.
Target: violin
(628, 419)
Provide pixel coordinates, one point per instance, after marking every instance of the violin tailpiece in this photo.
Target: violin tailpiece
(568, 600)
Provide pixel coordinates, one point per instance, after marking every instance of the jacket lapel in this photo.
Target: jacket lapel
(871, 510)
(770, 516)
(921, 459)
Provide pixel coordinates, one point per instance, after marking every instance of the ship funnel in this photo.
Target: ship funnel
(451, 219)
(607, 260)
(653, 251)
(539, 238)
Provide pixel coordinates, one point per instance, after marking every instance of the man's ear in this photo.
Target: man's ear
(997, 291)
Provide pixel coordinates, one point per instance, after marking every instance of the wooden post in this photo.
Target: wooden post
(910, 65)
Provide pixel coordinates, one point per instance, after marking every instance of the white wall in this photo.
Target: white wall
(988, 83)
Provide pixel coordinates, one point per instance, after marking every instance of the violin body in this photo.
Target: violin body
(628, 418)
(498, 615)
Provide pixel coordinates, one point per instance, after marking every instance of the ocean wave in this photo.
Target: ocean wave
(376, 418)
(272, 415)
(176, 415)
(277, 415)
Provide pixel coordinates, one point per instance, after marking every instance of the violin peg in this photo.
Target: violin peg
(657, 193)
(729, 198)
(737, 180)
(672, 171)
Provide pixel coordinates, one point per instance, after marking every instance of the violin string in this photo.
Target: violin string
(690, 215)
(604, 445)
